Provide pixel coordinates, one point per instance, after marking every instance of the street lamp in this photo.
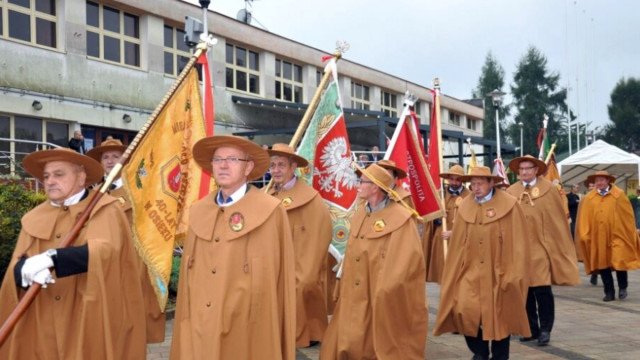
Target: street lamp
(521, 128)
(496, 96)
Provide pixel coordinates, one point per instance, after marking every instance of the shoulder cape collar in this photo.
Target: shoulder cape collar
(499, 206)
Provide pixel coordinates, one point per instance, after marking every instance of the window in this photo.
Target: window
(176, 51)
(388, 104)
(288, 81)
(31, 21)
(27, 128)
(417, 108)
(471, 124)
(113, 35)
(318, 77)
(454, 118)
(242, 72)
(359, 96)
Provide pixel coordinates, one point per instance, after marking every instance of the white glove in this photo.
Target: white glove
(33, 266)
(43, 278)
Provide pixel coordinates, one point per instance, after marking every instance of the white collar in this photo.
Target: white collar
(72, 200)
(235, 197)
(532, 183)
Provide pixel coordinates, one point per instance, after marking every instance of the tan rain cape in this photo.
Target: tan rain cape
(95, 315)
(382, 309)
(311, 229)
(485, 279)
(606, 232)
(236, 295)
(434, 244)
(155, 318)
(553, 255)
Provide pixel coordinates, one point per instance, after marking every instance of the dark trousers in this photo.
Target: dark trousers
(540, 309)
(499, 348)
(607, 280)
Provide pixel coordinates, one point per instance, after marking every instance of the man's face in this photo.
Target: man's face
(481, 186)
(454, 182)
(602, 182)
(282, 169)
(375, 150)
(527, 171)
(230, 174)
(366, 187)
(109, 159)
(62, 180)
(575, 189)
(77, 135)
(591, 186)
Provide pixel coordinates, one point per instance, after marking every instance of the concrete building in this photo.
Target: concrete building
(103, 66)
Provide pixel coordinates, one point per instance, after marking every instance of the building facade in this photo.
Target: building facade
(102, 67)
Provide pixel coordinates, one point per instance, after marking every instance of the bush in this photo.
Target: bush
(175, 273)
(15, 201)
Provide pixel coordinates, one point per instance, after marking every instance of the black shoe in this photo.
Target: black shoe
(594, 279)
(313, 343)
(479, 357)
(544, 338)
(609, 297)
(622, 294)
(526, 339)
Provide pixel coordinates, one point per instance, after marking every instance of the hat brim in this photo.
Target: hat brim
(362, 171)
(400, 174)
(302, 162)
(35, 162)
(449, 175)
(592, 179)
(96, 152)
(203, 153)
(514, 164)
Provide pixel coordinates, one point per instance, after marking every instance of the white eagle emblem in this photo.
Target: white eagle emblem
(336, 171)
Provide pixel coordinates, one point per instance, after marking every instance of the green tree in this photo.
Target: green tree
(624, 114)
(491, 78)
(535, 93)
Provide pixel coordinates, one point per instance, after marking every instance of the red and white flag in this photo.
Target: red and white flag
(407, 153)
(499, 170)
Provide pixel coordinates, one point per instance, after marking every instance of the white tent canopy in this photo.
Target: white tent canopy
(599, 156)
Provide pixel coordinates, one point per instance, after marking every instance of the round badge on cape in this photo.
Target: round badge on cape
(535, 192)
(236, 221)
(379, 225)
(286, 202)
(458, 201)
(491, 213)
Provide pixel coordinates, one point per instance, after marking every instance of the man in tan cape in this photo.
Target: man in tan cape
(382, 310)
(484, 282)
(606, 234)
(311, 228)
(108, 154)
(553, 258)
(92, 307)
(434, 246)
(236, 295)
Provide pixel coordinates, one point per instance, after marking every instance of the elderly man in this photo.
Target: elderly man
(92, 307)
(77, 142)
(311, 227)
(553, 257)
(236, 296)
(381, 311)
(485, 278)
(109, 154)
(607, 235)
(434, 246)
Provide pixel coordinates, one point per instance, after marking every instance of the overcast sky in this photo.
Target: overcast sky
(592, 44)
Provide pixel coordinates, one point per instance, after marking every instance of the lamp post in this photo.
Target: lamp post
(496, 96)
(521, 129)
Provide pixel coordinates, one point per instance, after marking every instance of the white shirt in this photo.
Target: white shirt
(235, 197)
(72, 200)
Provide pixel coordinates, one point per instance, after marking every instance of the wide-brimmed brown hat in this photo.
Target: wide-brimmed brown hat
(501, 185)
(203, 153)
(514, 164)
(604, 173)
(377, 174)
(280, 149)
(35, 162)
(455, 170)
(391, 165)
(107, 145)
(480, 172)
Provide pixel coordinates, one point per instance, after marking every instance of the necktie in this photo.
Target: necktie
(603, 192)
(112, 187)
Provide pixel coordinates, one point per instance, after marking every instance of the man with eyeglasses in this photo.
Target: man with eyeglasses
(236, 296)
(606, 234)
(382, 310)
(553, 257)
(311, 228)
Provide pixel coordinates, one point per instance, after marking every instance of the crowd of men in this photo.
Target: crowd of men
(253, 281)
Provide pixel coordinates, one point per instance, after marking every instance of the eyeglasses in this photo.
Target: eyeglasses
(229, 160)
(527, 168)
